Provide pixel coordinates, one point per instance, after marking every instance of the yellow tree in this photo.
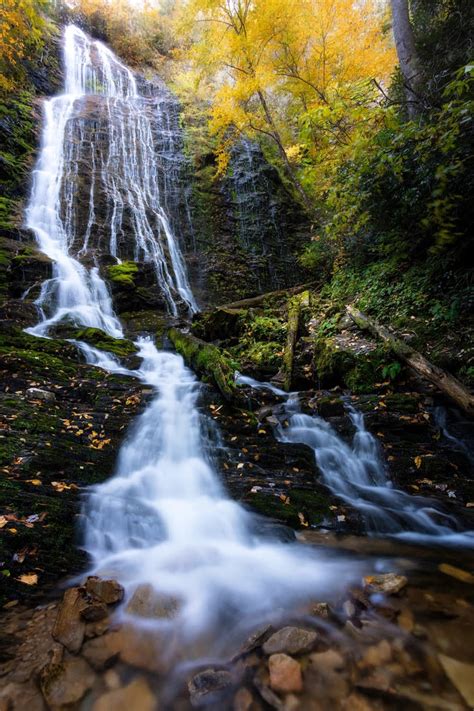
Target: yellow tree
(272, 59)
(21, 27)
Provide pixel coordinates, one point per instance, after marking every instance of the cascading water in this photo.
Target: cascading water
(164, 518)
(356, 473)
(127, 176)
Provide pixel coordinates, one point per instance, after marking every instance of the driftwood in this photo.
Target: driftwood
(447, 383)
(255, 300)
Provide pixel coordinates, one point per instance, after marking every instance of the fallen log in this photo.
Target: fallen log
(447, 383)
(255, 300)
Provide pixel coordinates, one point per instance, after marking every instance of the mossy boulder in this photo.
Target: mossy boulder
(124, 274)
(206, 360)
(337, 362)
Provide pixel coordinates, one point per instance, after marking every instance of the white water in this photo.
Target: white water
(164, 518)
(357, 474)
(128, 181)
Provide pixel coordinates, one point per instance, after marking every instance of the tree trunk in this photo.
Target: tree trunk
(285, 374)
(444, 381)
(409, 62)
(287, 165)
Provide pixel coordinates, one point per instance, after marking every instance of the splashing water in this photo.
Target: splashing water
(125, 176)
(356, 473)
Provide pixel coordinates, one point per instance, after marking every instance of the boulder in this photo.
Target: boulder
(40, 394)
(66, 683)
(69, 627)
(209, 686)
(285, 673)
(135, 696)
(291, 640)
(388, 583)
(108, 591)
(147, 602)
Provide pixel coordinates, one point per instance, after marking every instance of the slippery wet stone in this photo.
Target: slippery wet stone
(290, 640)
(108, 591)
(40, 394)
(95, 611)
(285, 673)
(66, 683)
(102, 651)
(208, 686)
(388, 583)
(69, 627)
(146, 602)
(137, 696)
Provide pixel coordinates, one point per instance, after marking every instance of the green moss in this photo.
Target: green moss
(207, 360)
(124, 273)
(313, 506)
(95, 337)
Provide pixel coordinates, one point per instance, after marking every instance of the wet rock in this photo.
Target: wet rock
(209, 686)
(17, 697)
(285, 673)
(327, 675)
(66, 683)
(40, 394)
(108, 591)
(461, 675)
(102, 651)
(146, 602)
(243, 700)
(389, 583)
(95, 611)
(321, 609)
(290, 640)
(376, 655)
(69, 627)
(255, 640)
(137, 695)
(143, 649)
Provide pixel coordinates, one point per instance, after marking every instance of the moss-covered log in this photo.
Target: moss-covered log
(444, 381)
(206, 360)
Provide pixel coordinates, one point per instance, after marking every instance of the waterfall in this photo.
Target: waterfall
(356, 473)
(164, 518)
(103, 125)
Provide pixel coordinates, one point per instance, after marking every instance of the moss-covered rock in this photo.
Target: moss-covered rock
(206, 359)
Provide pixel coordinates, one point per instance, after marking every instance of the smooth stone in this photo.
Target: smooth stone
(137, 696)
(40, 394)
(209, 686)
(290, 640)
(66, 683)
(285, 673)
(102, 651)
(461, 675)
(389, 583)
(69, 627)
(146, 602)
(108, 591)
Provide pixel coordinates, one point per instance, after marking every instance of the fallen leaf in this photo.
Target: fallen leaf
(457, 573)
(418, 462)
(28, 579)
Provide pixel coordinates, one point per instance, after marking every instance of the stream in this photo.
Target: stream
(164, 521)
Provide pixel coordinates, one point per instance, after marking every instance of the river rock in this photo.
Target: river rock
(95, 611)
(209, 686)
(243, 700)
(285, 673)
(108, 591)
(291, 640)
(40, 394)
(69, 627)
(102, 651)
(388, 583)
(66, 683)
(137, 696)
(146, 602)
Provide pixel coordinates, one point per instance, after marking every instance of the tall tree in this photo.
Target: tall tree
(410, 65)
